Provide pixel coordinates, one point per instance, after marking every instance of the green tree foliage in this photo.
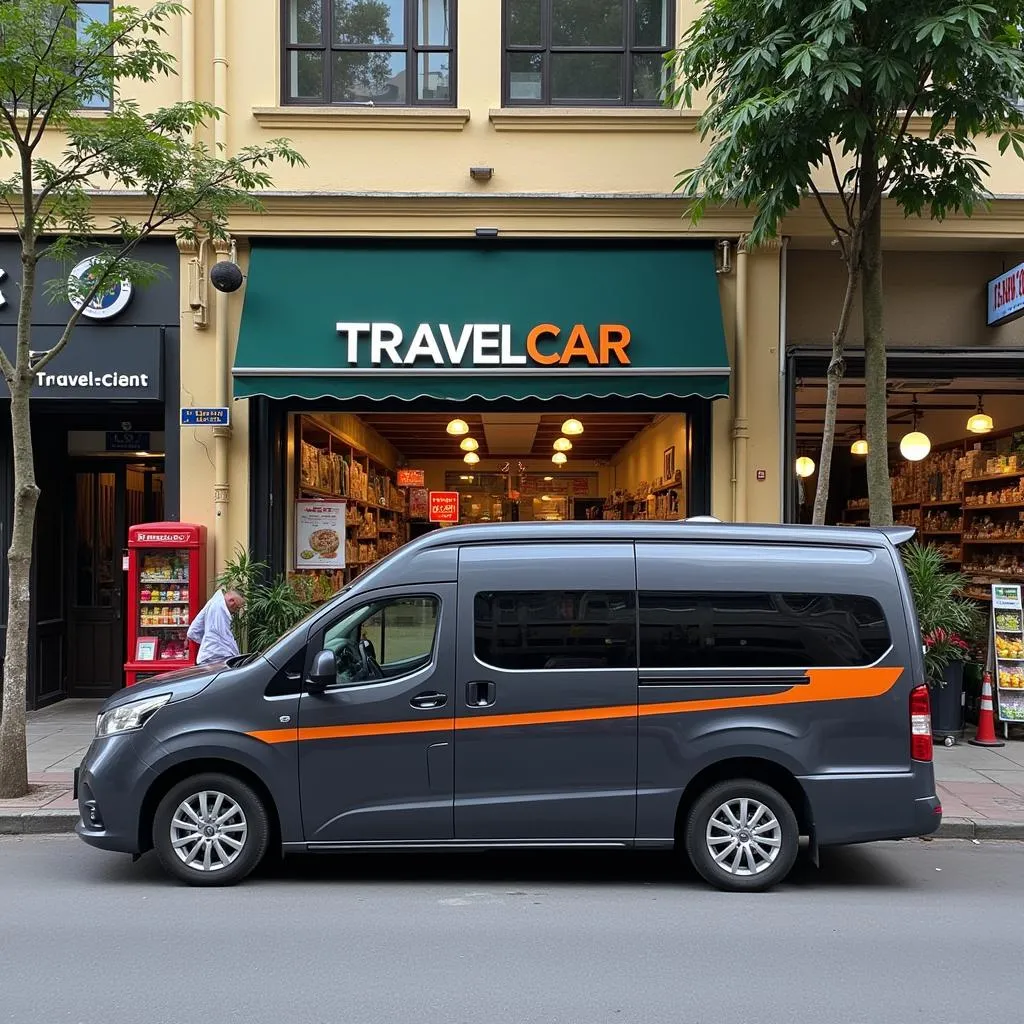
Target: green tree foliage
(54, 62)
(814, 100)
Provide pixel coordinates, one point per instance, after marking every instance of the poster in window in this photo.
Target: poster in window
(320, 534)
(145, 648)
(419, 502)
(1008, 631)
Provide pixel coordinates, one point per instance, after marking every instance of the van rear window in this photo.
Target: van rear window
(706, 630)
(555, 629)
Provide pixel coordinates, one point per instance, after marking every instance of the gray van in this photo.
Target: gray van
(724, 689)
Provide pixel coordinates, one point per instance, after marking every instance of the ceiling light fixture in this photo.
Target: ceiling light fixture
(457, 428)
(860, 446)
(572, 428)
(563, 444)
(980, 422)
(804, 467)
(469, 444)
(471, 458)
(559, 458)
(916, 445)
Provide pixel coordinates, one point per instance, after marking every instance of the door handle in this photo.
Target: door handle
(480, 694)
(429, 700)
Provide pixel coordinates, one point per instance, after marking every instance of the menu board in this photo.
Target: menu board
(1008, 631)
(320, 534)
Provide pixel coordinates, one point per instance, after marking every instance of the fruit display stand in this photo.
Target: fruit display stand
(1008, 647)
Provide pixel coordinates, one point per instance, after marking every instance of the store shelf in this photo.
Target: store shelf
(905, 504)
(151, 580)
(1015, 475)
(941, 533)
(163, 604)
(665, 488)
(993, 540)
(163, 625)
(942, 504)
(989, 508)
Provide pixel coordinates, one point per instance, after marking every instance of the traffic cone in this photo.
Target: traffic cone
(986, 736)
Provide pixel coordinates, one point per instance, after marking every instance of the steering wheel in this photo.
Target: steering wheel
(368, 658)
(349, 659)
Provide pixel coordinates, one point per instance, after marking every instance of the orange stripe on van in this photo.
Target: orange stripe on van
(822, 685)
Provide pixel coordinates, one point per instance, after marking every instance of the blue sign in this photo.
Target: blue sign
(218, 416)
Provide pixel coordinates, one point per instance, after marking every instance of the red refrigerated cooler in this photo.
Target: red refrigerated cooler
(166, 591)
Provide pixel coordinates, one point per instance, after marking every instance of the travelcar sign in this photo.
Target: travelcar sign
(1006, 296)
(485, 345)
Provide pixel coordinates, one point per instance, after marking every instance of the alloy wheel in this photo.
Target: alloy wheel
(208, 831)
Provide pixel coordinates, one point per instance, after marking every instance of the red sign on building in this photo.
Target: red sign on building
(410, 477)
(444, 506)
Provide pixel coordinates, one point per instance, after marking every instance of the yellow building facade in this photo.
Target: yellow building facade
(474, 131)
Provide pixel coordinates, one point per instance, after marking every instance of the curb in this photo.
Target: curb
(39, 822)
(968, 828)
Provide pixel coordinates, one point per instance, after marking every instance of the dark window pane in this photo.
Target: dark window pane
(524, 76)
(305, 21)
(650, 76)
(432, 77)
(586, 76)
(362, 77)
(556, 629)
(369, 22)
(524, 23)
(306, 75)
(434, 18)
(587, 22)
(652, 22)
(760, 630)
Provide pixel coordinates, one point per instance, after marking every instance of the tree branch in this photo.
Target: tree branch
(839, 184)
(837, 230)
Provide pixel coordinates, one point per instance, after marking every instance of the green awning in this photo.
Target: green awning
(456, 322)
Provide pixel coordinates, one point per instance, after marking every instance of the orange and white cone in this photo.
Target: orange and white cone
(986, 717)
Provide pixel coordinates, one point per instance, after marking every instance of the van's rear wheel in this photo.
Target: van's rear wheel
(210, 829)
(742, 836)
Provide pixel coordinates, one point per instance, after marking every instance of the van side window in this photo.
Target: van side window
(555, 629)
(401, 633)
(760, 630)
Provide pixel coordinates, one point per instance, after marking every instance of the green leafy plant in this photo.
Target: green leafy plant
(950, 625)
(854, 107)
(271, 608)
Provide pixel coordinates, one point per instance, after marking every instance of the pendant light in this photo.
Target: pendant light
(804, 467)
(563, 444)
(469, 444)
(457, 428)
(915, 445)
(471, 458)
(559, 458)
(980, 422)
(572, 428)
(860, 446)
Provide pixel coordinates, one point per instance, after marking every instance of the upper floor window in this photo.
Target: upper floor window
(369, 52)
(586, 52)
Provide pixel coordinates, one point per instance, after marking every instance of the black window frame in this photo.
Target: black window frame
(628, 49)
(410, 48)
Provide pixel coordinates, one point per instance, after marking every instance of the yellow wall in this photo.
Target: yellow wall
(643, 458)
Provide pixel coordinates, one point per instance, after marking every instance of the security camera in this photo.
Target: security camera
(225, 276)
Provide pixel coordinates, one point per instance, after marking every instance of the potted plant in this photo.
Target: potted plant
(950, 626)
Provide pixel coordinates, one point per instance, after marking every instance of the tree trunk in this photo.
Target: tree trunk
(875, 371)
(836, 370)
(13, 747)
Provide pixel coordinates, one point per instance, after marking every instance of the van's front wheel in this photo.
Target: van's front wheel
(742, 836)
(211, 829)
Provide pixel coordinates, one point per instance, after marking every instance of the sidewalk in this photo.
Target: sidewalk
(981, 788)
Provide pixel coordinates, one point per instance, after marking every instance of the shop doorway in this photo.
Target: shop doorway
(108, 497)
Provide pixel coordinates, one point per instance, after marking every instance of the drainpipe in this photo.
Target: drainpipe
(740, 423)
(221, 435)
(188, 54)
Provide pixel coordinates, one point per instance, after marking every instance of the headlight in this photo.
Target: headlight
(129, 716)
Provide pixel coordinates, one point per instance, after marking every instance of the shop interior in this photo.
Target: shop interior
(504, 467)
(956, 465)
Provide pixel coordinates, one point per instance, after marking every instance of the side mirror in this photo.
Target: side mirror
(323, 673)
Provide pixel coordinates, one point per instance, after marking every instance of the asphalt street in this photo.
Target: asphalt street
(899, 932)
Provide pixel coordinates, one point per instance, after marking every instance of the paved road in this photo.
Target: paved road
(897, 933)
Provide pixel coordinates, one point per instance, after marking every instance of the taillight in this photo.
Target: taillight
(920, 724)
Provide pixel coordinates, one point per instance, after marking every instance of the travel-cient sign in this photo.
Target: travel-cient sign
(480, 346)
(1006, 296)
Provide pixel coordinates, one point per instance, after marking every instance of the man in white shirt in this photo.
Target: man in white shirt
(211, 628)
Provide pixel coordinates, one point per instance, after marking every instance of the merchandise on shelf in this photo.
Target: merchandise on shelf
(908, 517)
(942, 521)
(1011, 494)
(995, 561)
(988, 528)
(1008, 622)
(164, 567)
(950, 550)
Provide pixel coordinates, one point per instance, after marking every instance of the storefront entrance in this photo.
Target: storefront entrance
(108, 499)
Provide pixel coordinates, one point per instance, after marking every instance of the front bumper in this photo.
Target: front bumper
(110, 787)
